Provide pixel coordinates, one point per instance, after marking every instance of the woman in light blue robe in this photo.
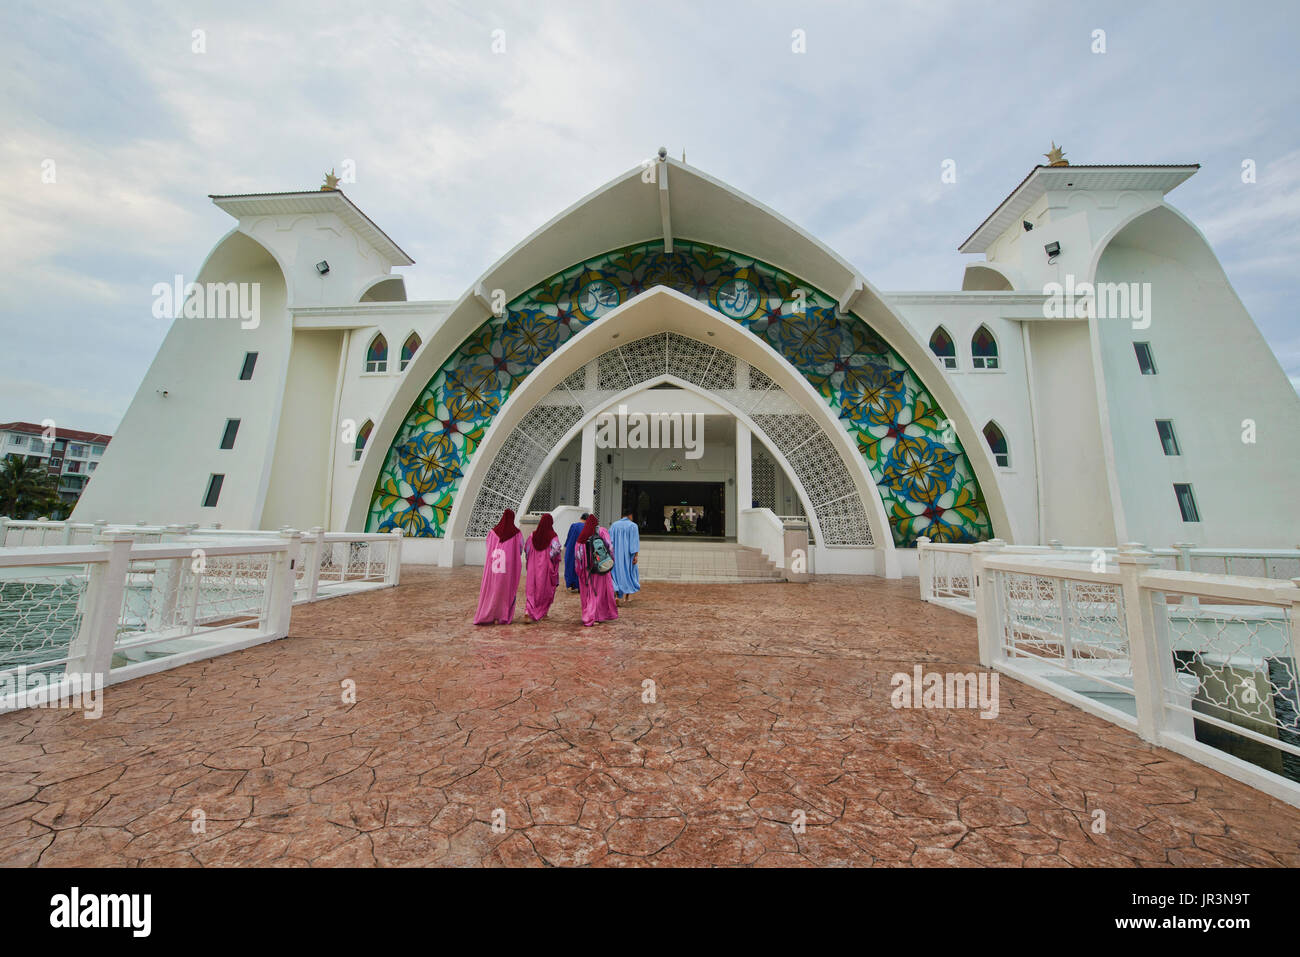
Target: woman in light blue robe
(627, 543)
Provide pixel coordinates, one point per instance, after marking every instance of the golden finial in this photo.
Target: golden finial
(331, 181)
(1057, 156)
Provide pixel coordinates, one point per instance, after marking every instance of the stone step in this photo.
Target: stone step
(705, 562)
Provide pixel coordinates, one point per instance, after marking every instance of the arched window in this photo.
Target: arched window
(997, 445)
(377, 354)
(409, 348)
(363, 435)
(944, 348)
(983, 349)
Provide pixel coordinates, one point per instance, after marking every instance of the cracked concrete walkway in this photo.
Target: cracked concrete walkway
(771, 700)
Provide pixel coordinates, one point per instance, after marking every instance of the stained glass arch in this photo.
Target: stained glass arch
(409, 348)
(907, 444)
(943, 347)
(984, 349)
(363, 436)
(997, 443)
(377, 354)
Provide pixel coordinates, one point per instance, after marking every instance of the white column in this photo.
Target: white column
(744, 470)
(587, 477)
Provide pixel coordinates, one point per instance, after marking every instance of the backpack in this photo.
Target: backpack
(599, 560)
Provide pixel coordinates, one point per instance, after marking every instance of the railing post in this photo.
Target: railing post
(1055, 543)
(91, 651)
(794, 538)
(988, 617)
(1183, 563)
(4, 529)
(164, 593)
(283, 568)
(1144, 651)
(311, 555)
(925, 567)
(393, 570)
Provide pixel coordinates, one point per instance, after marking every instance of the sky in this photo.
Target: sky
(461, 150)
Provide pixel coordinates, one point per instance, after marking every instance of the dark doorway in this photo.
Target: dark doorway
(677, 508)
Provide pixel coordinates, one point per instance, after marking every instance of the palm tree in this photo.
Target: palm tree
(25, 490)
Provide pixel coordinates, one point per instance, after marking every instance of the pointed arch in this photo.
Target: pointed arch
(944, 348)
(363, 436)
(377, 354)
(409, 348)
(984, 349)
(889, 421)
(997, 443)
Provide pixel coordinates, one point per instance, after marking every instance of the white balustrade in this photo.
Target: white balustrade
(1202, 664)
(141, 599)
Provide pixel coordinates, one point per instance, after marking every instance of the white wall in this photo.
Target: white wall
(1214, 370)
(297, 493)
(1076, 498)
(156, 468)
(1000, 395)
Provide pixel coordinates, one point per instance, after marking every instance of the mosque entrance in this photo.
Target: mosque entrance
(677, 509)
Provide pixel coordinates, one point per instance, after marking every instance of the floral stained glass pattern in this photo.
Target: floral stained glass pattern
(909, 448)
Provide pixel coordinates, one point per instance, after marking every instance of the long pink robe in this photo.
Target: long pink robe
(543, 577)
(496, 596)
(596, 591)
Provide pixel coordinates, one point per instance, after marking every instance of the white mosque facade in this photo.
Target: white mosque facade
(1155, 412)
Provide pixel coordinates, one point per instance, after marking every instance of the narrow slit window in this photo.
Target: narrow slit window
(214, 491)
(944, 349)
(1146, 360)
(228, 437)
(997, 445)
(983, 349)
(1168, 440)
(250, 361)
(363, 435)
(1186, 502)
(409, 348)
(377, 354)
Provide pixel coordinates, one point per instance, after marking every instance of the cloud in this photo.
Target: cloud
(461, 152)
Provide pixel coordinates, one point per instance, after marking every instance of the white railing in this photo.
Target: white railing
(15, 533)
(945, 569)
(121, 608)
(1205, 665)
(339, 563)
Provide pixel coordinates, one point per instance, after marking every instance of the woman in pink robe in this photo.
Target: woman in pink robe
(596, 591)
(496, 596)
(543, 552)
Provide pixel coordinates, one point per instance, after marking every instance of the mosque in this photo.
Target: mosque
(670, 346)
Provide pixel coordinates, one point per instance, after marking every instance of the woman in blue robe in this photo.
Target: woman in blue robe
(627, 543)
(570, 572)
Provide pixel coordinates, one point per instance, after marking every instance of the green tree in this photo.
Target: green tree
(26, 490)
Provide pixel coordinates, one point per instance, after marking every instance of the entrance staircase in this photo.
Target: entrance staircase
(716, 562)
